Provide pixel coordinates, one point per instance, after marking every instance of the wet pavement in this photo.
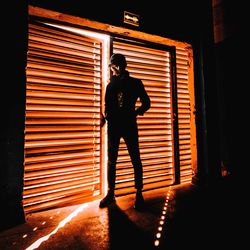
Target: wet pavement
(175, 217)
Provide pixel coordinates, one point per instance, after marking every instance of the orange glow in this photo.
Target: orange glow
(162, 220)
(158, 235)
(157, 242)
(105, 39)
(37, 243)
(157, 82)
(44, 162)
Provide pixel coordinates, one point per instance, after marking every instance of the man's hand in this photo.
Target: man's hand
(103, 120)
(138, 111)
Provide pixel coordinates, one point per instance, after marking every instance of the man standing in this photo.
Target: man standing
(121, 95)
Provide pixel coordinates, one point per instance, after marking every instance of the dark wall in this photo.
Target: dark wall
(189, 21)
(13, 87)
(233, 79)
(230, 20)
(166, 18)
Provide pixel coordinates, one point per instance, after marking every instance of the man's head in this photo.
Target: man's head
(118, 63)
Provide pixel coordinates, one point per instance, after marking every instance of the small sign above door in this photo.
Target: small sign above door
(131, 18)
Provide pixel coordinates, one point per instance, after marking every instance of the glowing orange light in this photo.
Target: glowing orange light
(157, 242)
(37, 243)
(105, 39)
(158, 235)
(162, 220)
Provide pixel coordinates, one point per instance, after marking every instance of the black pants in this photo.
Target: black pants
(129, 132)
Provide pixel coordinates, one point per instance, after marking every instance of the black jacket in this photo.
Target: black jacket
(121, 95)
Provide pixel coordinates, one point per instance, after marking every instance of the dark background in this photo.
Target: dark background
(216, 32)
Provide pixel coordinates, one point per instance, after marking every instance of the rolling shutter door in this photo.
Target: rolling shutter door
(152, 66)
(62, 132)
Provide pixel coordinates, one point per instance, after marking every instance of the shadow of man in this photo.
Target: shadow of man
(124, 233)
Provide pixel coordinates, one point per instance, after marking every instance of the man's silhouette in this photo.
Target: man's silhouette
(121, 96)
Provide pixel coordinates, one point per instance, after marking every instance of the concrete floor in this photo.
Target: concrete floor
(175, 217)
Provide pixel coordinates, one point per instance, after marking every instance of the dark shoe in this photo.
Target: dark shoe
(107, 200)
(139, 201)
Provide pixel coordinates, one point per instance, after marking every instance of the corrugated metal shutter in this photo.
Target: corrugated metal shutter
(63, 140)
(152, 66)
(184, 114)
(62, 132)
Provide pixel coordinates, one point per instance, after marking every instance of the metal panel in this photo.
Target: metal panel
(152, 66)
(184, 114)
(63, 105)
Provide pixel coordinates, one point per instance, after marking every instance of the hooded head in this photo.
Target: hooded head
(118, 60)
